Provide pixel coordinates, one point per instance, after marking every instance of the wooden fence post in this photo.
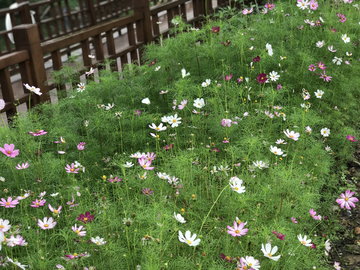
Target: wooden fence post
(25, 12)
(91, 14)
(26, 37)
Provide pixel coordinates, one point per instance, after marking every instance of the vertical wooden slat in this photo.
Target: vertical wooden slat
(99, 48)
(131, 36)
(111, 48)
(155, 26)
(57, 64)
(38, 21)
(7, 91)
(85, 48)
(62, 18)
(183, 11)
(68, 13)
(53, 15)
(26, 37)
(48, 30)
(25, 73)
(124, 61)
(91, 14)
(143, 27)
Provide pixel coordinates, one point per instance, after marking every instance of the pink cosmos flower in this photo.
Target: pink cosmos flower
(73, 256)
(313, 5)
(228, 77)
(168, 147)
(333, 30)
(226, 122)
(9, 150)
(325, 77)
(278, 87)
(301, 27)
(47, 223)
(342, 17)
(80, 147)
(269, 6)
(237, 230)
(152, 63)
(37, 203)
(22, 166)
(182, 104)
(347, 200)
(145, 164)
(321, 66)
(292, 134)
(312, 67)
(55, 211)
(330, 48)
(294, 220)
(10, 203)
(72, 202)
(313, 213)
(246, 11)
(337, 265)
(226, 140)
(37, 133)
(71, 169)
(150, 157)
(78, 231)
(4, 225)
(62, 140)
(352, 139)
(147, 191)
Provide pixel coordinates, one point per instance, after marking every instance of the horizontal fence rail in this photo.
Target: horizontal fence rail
(31, 50)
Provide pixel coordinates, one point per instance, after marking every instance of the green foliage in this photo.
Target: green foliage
(304, 177)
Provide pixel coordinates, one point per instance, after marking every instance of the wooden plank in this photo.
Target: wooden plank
(25, 73)
(85, 48)
(131, 36)
(110, 42)
(155, 26)
(62, 42)
(69, 20)
(62, 18)
(7, 91)
(53, 15)
(183, 12)
(13, 58)
(166, 6)
(57, 65)
(99, 48)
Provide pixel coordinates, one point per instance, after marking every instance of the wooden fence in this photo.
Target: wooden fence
(30, 51)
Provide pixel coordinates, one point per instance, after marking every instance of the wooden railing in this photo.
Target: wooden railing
(30, 50)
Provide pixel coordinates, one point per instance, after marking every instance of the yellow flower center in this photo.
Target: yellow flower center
(227, 257)
(275, 152)
(97, 243)
(75, 254)
(157, 136)
(147, 192)
(85, 219)
(7, 203)
(262, 78)
(189, 242)
(237, 231)
(269, 254)
(303, 242)
(236, 188)
(9, 152)
(346, 199)
(157, 128)
(2, 226)
(46, 225)
(324, 131)
(174, 120)
(144, 166)
(77, 231)
(250, 264)
(37, 203)
(37, 131)
(72, 170)
(146, 236)
(291, 136)
(55, 211)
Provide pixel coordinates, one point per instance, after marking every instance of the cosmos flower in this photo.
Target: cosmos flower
(46, 224)
(9, 203)
(85, 218)
(347, 200)
(292, 134)
(325, 132)
(306, 242)
(268, 252)
(188, 239)
(237, 229)
(179, 218)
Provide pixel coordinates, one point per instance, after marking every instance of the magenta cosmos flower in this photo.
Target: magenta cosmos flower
(325, 77)
(347, 200)
(227, 42)
(152, 63)
(38, 132)
(256, 59)
(85, 218)
(238, 230)
(293, 220)
(246, 11)
(10, 203)
(312, 67)
(147, 191)
(269, 6)
(47, 223)
(62, 140)
(71, 169)
(23, 166)
(9, 150)
(351, 138)
(261, 78)
(215, 29)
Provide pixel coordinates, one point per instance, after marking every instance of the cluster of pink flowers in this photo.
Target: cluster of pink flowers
(326, 78)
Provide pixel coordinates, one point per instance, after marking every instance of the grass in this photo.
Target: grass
(202, 154)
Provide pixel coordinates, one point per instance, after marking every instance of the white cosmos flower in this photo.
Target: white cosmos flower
(259, 164)
(183, 73)
(269, 49)
(268, 252)
(319, 93)
(303, 4)
(327, 148)
(345, 38)
(236, 184)
(179, 218)
(206, 83)
(163, 175)
(199, 103)
(274, 76)
(158, 68)
(214, 170)
(146, 101)
(159, 128)
(109, 106)
(188, 239)
(128, 165)
(165, 119)
(174, 121)
(320, 44)
(337, 61)
(97, 240)
(276, 151)
(304, 241)
(325, 132)
(250, 261)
